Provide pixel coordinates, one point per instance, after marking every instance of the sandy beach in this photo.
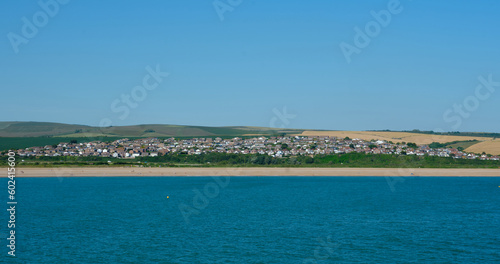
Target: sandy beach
(132, 171)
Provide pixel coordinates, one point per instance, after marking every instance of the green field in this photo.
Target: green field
(461, 145)
(7, 143)
(45, 129)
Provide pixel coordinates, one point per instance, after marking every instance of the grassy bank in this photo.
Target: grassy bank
(351, 160)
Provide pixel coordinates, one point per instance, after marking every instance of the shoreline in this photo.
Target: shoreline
(249, 171)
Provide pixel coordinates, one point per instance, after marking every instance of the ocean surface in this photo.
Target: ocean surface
(255, 220)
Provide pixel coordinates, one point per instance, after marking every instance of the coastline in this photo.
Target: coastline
(251, 171)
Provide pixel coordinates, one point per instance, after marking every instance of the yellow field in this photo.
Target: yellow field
(489, 146)
(419, 139)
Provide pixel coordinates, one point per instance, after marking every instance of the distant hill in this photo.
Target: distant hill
(37, 129)
(27, 134)
(453, 133)
(46, 129)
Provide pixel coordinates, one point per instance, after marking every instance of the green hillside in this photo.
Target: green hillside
(38, 129)
(28, 134)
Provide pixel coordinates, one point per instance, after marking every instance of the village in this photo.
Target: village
(280, 146)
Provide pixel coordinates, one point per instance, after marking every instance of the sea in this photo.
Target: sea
(255, 220)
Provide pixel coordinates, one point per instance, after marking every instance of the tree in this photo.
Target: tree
(309, 160)
(371, 146)
(411, 145)
(347, 138)
(436, 145)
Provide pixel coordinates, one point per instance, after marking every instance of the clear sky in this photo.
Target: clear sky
(240, 62)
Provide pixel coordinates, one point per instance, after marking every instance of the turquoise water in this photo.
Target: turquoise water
(256, 220)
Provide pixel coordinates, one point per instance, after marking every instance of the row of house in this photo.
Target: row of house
(273, 146)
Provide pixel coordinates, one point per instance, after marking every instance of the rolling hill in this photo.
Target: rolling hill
(26, 134)
(46, 129)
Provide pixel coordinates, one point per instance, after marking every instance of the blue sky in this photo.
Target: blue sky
(416, 72)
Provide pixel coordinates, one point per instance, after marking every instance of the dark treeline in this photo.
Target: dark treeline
(252, 160)
(338, 160)
(457, 133)
(451, 133)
